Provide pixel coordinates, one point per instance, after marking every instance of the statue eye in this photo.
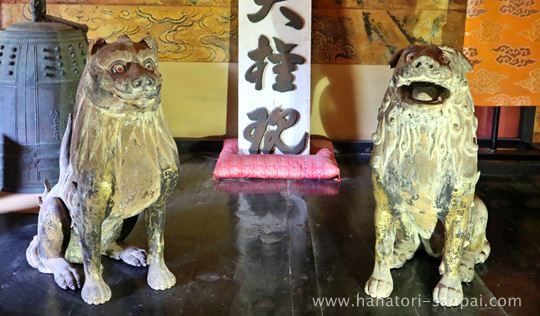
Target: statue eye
(149, 64)
(444, 59)
(118, 68)
(409, 57)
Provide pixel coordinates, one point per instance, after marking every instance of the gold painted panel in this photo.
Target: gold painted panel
(373, 36)
(392, 4)
(317, 4)
(344, 31)
(184, 33)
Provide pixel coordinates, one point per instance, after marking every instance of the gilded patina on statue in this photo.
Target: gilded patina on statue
(117, 159)
(424, 170)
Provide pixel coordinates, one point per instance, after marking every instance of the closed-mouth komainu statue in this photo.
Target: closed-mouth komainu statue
(117, 160)
(424, 170)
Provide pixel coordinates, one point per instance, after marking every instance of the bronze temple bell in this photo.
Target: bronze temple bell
(40, 66)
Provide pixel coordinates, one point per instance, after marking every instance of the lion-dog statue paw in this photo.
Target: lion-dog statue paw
(117, 159)
(424, 170)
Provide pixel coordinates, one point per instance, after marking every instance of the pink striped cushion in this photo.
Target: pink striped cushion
(321, 164)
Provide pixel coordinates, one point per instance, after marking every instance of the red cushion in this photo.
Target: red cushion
(265, 186)
(321, 164)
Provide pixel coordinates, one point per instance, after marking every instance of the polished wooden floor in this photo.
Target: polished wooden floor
(273, 247)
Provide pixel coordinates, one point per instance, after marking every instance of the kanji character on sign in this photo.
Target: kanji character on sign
(286, 63)
(278, 121)
(255, 73)
(266, 5)
(295, 20)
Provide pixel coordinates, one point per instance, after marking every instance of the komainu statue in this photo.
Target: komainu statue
(117, 159)
(424, 170)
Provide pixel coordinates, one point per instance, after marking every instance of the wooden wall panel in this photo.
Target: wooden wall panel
(344, 31)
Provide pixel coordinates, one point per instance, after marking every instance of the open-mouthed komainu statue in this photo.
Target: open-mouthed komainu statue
(424, 170)
(117, 160)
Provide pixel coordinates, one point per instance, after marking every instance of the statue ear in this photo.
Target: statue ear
(150, 41)
(394, 60)
(465, 63)
(97, 45)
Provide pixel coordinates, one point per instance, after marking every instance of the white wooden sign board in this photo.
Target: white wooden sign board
(274, 74)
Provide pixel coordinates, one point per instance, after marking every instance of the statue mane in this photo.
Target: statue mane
(101, 138)
(447, 133)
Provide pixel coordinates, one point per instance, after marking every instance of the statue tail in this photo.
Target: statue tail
(47, 189)
(64, 149)
(32, 256)
(429, 249)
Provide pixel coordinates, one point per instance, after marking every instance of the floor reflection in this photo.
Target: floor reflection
(262, 239)
(273, 243)
(248, 247)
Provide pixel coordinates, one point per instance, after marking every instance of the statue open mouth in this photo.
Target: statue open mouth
(152, 95)
(128, 98)
(424, 93)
